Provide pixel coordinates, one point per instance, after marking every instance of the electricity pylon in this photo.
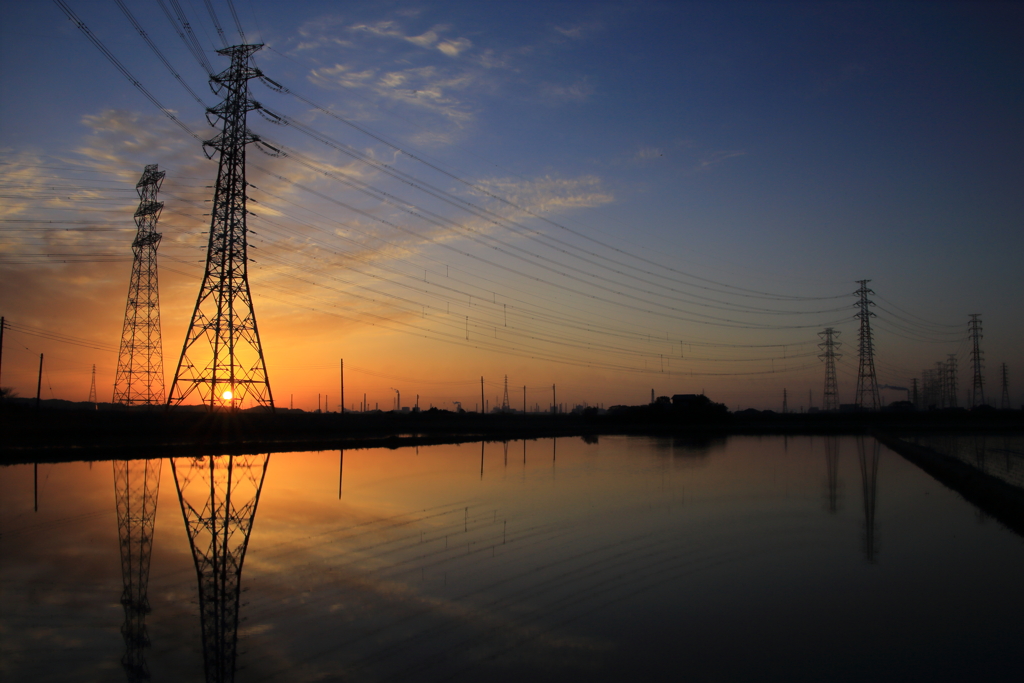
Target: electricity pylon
(136, 490)
(829, 355)
(222, 357)
(942, 373)
(504, 401)
(952, 385)
(93, 399)
(140, 364)
(867, 381)
(978, 387)
(219, 511)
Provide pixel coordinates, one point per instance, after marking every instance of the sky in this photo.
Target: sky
(607, 197)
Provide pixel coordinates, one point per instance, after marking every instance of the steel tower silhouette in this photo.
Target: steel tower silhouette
(140, 363)
(952, 384)
(93, 399)
(219, 511)
(867, 381)
(505, 407)
(829, 355)
(942, 375)
(136, 489)
(222, 357)
(978, 387)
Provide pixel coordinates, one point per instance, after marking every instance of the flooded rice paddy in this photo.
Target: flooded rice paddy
(742, 559)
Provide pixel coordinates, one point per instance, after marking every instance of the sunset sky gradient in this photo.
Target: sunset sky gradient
(611, 197)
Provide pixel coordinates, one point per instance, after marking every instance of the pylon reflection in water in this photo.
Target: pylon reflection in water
(136, 490)
(869, 485)
(219, 496)
(832, 470)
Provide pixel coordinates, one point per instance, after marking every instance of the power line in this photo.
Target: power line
(740, 291)
(120, 67)
(156, 50)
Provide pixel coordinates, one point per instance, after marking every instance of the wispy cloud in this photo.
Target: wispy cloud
(432, 39)
(427, 88)
(648, 153)
(550, 194)
(578, 31)
(579, 91)
(716, 158)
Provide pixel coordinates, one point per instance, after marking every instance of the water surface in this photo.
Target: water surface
(653, 559)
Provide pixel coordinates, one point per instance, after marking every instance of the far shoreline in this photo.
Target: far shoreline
(79, 432)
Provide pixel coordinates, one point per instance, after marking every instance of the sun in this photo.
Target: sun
(227, 396)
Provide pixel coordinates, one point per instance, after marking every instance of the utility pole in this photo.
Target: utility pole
(524, 397)
(39, 384)
(1004, 402)
(342, 387)
(554, 400)
(914, 385)
(139, 379)
(785, 407)
(867, 381)
(830, 400)
(222, 357)
(482, 409)
(3, 325)
(978, 387)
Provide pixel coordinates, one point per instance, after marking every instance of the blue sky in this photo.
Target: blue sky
(787, 148)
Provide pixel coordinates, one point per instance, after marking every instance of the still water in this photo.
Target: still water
(747, 559)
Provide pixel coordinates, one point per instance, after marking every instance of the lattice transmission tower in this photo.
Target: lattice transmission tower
(952, 383)
(93, 398)
(942, 383)
(505, 407)
(222, 357)
(828, 346)
(219, 496)
(867, 381)
(978, 386)
(140, 364)
(136, 490)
